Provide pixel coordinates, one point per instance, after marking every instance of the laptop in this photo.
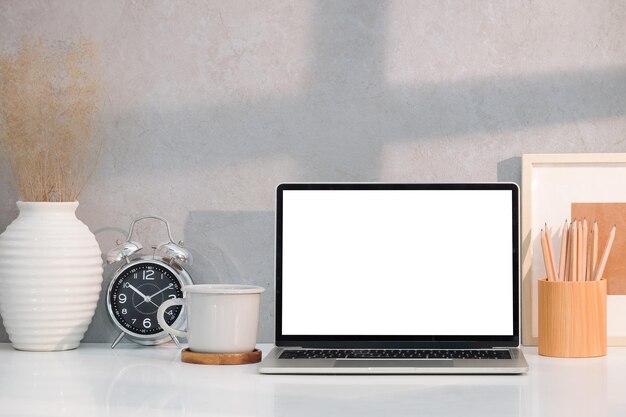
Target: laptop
(397, 279)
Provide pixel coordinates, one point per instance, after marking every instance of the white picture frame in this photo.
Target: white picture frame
(550, 183)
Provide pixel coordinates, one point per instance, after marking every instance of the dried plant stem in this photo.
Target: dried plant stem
(48, 101)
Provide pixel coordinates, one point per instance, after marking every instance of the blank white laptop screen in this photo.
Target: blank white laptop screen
(397, 262)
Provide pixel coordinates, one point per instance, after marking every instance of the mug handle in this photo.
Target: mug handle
(161, 319)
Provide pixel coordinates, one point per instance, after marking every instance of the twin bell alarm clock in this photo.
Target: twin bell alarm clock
(142, 283)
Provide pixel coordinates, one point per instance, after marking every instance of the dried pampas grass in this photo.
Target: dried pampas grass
(49, 95)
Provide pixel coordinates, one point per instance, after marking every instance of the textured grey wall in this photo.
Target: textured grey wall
(210, 104)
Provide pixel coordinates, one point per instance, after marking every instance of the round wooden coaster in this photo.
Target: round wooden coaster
(188, 356)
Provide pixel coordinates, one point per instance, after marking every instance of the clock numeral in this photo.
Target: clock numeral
(122, 298)
(147, 323)
(135, 275)
(147, 275)
(134, 320)
(124, 311)
(126, 285)
(170, 313)
(171, 296)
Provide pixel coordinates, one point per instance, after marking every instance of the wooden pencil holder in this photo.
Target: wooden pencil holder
(572, 318)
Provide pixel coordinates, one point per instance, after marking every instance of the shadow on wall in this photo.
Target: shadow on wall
(510, 170)
(230, 247)
(227, 247)
(341, 136)
(336, 127)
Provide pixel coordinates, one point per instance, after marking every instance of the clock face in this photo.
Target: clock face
(137, 292)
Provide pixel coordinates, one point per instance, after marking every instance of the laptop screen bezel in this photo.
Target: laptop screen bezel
(399, 341)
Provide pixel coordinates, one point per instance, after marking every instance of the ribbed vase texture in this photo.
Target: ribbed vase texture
(50, 277)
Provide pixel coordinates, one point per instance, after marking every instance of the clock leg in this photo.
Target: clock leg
(175, 339)
(117, 340)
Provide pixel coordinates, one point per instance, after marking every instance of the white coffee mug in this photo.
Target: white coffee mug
(220, 318)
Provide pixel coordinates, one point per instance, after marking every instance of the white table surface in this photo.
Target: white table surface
(130, 380)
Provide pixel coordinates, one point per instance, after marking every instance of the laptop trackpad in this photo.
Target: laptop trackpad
(391, 363)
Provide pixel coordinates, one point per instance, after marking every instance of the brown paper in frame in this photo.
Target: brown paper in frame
(607, 215)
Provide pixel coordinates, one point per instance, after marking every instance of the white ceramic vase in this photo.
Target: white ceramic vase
(50, 277)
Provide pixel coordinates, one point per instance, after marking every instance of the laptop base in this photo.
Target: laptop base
(272, 364)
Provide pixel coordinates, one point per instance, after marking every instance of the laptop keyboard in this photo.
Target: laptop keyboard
(395, 354)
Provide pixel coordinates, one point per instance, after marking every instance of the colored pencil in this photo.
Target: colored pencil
(605, 255)
(548, 235)
(583, 260)
(546, 256)
(568, 255)
(594, 250)
(574, 251)
(563, 257)
(579, 251)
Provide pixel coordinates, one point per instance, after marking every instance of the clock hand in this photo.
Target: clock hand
(156, 293)
(160, 291)
(150, 301)
(144, 296)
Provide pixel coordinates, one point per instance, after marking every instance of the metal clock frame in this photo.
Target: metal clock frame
(174, 258)
(162, 336)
